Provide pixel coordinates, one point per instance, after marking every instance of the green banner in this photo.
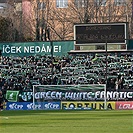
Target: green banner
(12, 96)
(60, 48)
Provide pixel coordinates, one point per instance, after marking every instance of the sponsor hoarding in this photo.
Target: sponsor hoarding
(29, 106)
(87, 105)
(69, 105)
(124, 105)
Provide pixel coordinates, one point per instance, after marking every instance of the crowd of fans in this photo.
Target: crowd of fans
(21, 73)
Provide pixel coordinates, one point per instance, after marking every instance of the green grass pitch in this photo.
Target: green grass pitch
(73, 121)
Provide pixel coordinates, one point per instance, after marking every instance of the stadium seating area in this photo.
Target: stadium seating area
(20, 73)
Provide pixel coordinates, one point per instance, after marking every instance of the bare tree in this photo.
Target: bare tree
(36, 22)
(4, 29)
(51, 23)
(85, 11)
(13, 11)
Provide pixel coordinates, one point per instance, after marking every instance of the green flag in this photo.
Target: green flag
(12, 96)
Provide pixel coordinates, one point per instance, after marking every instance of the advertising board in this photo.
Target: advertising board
(124, 105)
(67, 105)
(70, 105)
(29, 106)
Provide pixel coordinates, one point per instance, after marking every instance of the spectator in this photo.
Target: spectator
(22, 73)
